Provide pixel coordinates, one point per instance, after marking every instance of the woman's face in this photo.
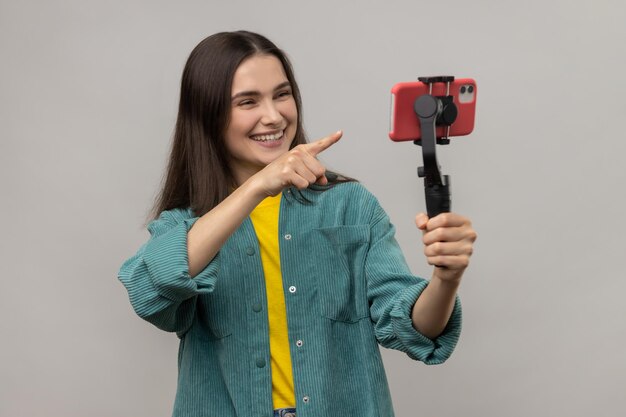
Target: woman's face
(263, 116)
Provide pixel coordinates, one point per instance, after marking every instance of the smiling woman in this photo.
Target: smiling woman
(280, 278)
(199, 175)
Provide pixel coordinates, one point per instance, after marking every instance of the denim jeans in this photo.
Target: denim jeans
(285, 412)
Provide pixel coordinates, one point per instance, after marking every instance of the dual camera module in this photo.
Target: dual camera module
(466, 93)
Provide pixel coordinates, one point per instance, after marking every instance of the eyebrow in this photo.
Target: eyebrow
(257, 93)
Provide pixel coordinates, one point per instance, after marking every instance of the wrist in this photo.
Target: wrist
(253, 188)
(445, 281)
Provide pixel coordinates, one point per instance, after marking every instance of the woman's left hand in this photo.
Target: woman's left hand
(448, 243)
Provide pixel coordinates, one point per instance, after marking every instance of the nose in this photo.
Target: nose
(271, 116)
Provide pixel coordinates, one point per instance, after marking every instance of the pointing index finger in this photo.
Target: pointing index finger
(315, 148)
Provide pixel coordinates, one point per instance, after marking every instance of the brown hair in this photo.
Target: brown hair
(198, 175)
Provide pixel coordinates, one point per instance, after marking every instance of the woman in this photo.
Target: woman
(280, 278)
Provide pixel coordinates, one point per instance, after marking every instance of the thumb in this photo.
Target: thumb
(421, 220)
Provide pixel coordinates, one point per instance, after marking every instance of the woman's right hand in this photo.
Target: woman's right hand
(298, 168)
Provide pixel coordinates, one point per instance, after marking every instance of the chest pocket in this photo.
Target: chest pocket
(341, 281)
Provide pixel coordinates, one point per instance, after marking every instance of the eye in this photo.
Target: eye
(283, 94)
(246, 102)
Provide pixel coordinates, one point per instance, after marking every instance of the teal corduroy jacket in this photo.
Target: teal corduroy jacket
(347, 290)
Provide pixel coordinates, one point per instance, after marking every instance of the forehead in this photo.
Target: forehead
(258, 73)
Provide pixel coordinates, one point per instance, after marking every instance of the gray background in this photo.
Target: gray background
(88, 98)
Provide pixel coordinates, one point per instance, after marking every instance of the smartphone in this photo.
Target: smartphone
(404, 124)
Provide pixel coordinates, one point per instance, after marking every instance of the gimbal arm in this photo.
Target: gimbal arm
(436, 186)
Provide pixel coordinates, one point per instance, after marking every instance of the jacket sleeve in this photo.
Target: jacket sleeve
(157, 278)
(392, 292)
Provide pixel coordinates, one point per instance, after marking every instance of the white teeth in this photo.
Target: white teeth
(265, 138)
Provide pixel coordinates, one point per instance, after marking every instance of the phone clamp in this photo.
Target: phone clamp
(434, 111)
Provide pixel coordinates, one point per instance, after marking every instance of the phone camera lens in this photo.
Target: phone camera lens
(463, 90)
(470, 89)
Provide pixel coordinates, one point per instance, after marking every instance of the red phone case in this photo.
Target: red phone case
(405, 123)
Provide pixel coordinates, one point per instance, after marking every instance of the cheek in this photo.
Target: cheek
(242, 123)
(290, 112)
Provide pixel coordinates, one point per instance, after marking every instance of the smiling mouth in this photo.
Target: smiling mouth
(268, 138)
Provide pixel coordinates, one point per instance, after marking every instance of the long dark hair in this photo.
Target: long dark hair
(198, 175)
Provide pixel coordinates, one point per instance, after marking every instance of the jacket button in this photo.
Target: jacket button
(250, 251)
(260, 363)
(305, 399)
(257, 307)
(292, 289)
(287, 236)
(299, 343)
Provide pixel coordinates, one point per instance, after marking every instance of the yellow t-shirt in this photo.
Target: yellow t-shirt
(265, 220)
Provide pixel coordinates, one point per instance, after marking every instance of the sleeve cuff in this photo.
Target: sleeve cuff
(415, 344)
(166, 260)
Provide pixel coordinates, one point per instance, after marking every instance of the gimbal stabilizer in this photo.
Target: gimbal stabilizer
(434, 111)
